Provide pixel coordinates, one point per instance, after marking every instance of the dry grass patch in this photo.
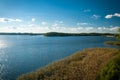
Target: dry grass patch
(83, 65)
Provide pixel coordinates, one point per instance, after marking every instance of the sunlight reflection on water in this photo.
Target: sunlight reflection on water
(3, 59)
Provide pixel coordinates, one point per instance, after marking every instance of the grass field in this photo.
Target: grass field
(84, 65)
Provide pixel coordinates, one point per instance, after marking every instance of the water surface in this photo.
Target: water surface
(23, 53)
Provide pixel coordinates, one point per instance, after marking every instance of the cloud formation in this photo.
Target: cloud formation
(10, 20)
(33, 19)
(43, 29)
(56, 26)
(43, 23)
(83, 23)
(57, 23)
(109, 16)
(112, 15)
(95, 16)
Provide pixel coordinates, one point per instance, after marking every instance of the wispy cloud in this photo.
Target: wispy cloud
(114, 28)
(89, 28)
(43, 29)
(95, 16)
(108, 29)
(56, 23)
(56, 26)
(83, 23)
(43, 23)
(87, 10)
(33, 19)
(60, 22)
(112, 15)
(10, 20)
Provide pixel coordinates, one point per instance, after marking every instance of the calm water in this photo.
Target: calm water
(23, 53)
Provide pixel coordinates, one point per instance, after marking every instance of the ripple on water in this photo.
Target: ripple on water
(3, 60)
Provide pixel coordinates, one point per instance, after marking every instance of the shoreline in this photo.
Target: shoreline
(55, 34)
(82, 65)
(116, 43)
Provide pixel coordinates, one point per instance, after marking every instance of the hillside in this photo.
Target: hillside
(52, 34)
(78, 34)
(84, 65)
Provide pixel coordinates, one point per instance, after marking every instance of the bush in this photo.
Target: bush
(112, 70)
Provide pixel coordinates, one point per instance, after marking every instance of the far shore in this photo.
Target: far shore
(117, 43)
(53, 34)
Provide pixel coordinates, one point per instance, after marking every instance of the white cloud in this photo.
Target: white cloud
(108, 29)
(60, 22)
(43, 23)
(33, 19)
(89, 28)
(87, 10)
(95, 16)
(84, 23)
(30, 25)
(114, 28)
(117, 14)
(2, 20)
(10, 20)
(43, 29)
(55, 24)
(18, 20)
(112, 15)
(109, 16)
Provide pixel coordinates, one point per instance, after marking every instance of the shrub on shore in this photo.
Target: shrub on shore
(112, 70)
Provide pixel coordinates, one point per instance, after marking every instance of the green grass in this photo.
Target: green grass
(112, 70)
(84, 65)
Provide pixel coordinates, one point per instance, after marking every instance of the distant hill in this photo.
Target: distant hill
(20, 34)
(78, 34)
(53, 34)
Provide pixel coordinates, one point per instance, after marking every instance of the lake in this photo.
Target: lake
(20, 54)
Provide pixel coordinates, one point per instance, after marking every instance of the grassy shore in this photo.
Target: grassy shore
(117, 43)
(84, 65)
(111, 71)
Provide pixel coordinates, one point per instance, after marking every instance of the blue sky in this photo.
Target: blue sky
(72, 16)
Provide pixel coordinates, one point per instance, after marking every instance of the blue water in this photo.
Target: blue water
(23, 53)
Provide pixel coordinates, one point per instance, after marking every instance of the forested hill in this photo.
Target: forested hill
(62, 34)
(78, 34)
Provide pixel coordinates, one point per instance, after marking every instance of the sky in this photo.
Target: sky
(69, 16)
